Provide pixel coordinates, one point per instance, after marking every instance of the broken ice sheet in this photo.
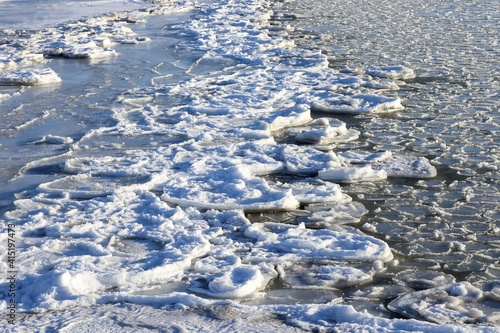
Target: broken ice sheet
(394, 165)
(316, 191)
(235, 281)
(307, 160)
(458, 303)
(357, 104)
(325, 276)
(29, 77)
(283, 243)
(352, 174)
(324, 131)
(221, 184)
(326, 215)
(420, 279)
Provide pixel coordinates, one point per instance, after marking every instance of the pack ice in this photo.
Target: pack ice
(134, 225)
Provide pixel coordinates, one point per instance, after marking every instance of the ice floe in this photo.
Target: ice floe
(130, 224)
(326, 276)
(352, 174)
(53, 139)
(307, 160)
(29, 77)
(91, 38)
(289, 244)
(389, 72)
(460, 302)
(357, 104)
(323, 131)
(228, 187)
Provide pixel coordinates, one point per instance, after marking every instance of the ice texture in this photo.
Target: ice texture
(460, 302)
(29, 77)
(153, 209)
(294, 243)
(205, 185)
(352, 174)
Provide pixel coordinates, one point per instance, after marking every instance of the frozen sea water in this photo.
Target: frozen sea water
(188, 166)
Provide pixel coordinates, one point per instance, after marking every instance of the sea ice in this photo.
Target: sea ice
(29, 77)
(423, 279)
(323, 133)
(324, 276)
(307, 160)
(391, 72)
(102, 234)
(407, 167)
(325, 215)
(319, 191)
(238, 281)
(54, 140)
(356, 157)
(356, 104)
(220, 184)
(460, 302)
(352, 174)
(296, 244)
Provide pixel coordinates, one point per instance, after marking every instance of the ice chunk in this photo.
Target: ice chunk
(453, 303)
(338, 214)
(306, 160)
(357, 104)
(352, 174)
(298, 115)
(407, 167)
(88, 53)
(391, 72)
(239, 281)
(29, 77)
(293, 244)
(423, 279)
(314, 276)
(308, 192)
(322, 132)
(54, 140)
(4, 96)
(85, 186)
(356, 157)
(221, 184)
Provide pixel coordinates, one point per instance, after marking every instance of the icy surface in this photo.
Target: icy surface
(200, 178)
(29, 77)
(454, 303)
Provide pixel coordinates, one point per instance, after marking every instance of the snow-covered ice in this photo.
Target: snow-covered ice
(149, 215)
